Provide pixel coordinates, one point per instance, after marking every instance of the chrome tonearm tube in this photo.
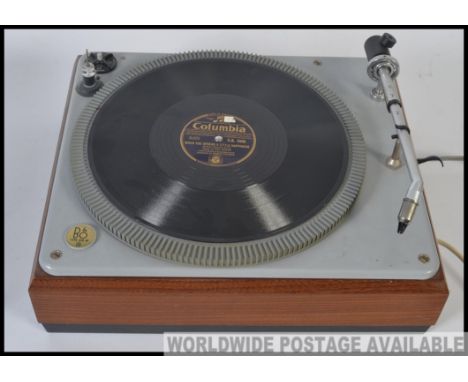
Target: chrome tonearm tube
(384, 69)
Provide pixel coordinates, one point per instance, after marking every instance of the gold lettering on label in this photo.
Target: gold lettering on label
(214, 140)
(217, 127)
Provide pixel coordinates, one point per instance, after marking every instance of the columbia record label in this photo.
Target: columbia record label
(218, 140)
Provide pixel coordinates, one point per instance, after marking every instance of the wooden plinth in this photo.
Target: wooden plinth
(236, 302)
(211, 302)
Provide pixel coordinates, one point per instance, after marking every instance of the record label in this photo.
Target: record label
(218, 140)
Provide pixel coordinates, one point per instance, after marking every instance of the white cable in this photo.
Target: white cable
(452, 157)
(451, 248)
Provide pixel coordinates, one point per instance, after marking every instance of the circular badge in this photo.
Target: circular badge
(81, 236)
(218, 140)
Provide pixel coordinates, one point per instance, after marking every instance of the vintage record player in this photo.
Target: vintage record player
(229, 191)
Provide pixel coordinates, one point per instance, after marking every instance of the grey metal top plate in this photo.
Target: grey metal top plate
(364, 245)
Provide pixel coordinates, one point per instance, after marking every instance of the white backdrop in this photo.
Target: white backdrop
(38, 66)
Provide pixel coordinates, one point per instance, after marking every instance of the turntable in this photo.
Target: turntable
(223, 190)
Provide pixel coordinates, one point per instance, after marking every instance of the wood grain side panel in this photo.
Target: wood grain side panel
(237, 301)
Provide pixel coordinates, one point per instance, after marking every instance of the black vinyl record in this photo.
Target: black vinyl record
(218, 150)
